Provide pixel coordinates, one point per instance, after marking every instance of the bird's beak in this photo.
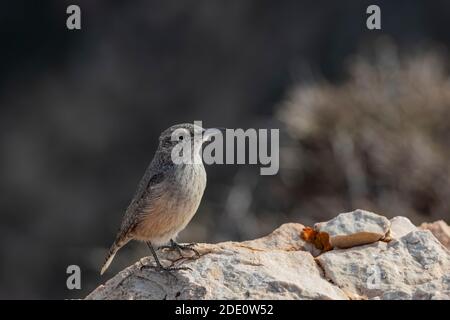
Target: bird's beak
(211, 132)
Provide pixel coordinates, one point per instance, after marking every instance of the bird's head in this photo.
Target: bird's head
(186, 135)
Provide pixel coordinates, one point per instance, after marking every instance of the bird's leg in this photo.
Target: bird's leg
(180, 247)
(155, 256)
(158, 263)
(188, 246)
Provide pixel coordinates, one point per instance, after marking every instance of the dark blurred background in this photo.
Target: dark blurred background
(364, 119)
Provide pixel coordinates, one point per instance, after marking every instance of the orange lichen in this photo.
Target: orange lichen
(321, 240)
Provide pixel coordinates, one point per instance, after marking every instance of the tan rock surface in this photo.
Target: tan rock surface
(416, 266)
(273, 267)
(401, 226)
(440, 230)
(354, 228)
(413, 265)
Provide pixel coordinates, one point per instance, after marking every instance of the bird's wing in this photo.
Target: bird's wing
(140, 201)
(145, 194)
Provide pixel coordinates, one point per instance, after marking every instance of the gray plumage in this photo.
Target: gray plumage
(166, 198)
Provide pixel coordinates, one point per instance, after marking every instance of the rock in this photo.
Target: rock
(413, 265)
(440, 230)
(354, 228)
(273, 267)
(401, 226)
(416, 266)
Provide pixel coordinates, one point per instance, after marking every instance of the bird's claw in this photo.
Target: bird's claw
(181, 247)
(163, 269)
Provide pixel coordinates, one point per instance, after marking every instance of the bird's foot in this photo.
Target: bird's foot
(161, 268)
(180, 247)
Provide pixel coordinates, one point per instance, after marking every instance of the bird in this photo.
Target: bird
(168, 195)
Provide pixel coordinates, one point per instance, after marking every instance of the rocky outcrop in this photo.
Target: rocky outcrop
(440, 230)
(401, 262)
(416, 266)
(354, 228)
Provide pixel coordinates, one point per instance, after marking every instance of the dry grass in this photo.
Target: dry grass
(380, 140)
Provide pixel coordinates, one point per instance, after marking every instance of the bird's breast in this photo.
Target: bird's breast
(178, 198)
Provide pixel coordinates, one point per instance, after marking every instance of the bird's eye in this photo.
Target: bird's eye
(180, 138)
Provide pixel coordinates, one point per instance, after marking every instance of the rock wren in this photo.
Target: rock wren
(168, 194)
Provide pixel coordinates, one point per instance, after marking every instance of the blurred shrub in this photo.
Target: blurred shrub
(380, 140)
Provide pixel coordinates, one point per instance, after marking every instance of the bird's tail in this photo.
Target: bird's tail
(119, 243)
